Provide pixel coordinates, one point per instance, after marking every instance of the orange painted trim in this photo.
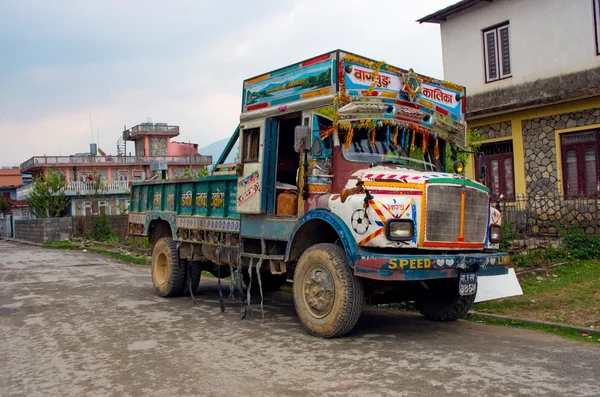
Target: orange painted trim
(322, 91)
(68, 174)
(259, 78)
(170, 173)
(461, 235)
(398, 185)
(146, 146)
(109, 173)
(453, 245)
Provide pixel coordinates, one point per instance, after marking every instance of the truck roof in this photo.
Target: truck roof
(359, 88)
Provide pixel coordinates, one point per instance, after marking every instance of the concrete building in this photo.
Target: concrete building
(532, 72)
(100, 183)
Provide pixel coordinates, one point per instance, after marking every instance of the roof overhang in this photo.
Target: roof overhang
(441, 15)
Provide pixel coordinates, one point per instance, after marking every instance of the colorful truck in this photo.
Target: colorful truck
(341, 183)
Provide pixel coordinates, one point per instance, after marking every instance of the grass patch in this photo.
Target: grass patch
(99, 249)
(568, 294)
(563, 332)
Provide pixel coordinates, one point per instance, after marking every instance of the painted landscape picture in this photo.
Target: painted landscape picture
(292, 83)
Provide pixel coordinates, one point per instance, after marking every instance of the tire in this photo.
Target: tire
(270, 282)
(167, 272)
(327, 296)
(195, 270)
(445, 305)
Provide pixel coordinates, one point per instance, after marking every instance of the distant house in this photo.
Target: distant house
(10, 181)
(155, 156)
(532, 72)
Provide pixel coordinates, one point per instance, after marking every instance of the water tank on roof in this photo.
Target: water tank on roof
(93, 149)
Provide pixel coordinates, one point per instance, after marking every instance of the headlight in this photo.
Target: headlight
(495, 233)
(400, 229)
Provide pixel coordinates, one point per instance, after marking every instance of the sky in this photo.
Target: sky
(181, 62)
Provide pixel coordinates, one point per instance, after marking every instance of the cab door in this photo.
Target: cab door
(250, 168)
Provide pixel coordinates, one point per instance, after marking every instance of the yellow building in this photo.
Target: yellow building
(533, 85)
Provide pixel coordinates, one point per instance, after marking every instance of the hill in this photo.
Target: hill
(216, 148)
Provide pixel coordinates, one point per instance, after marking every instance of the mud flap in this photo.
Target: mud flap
(496, 287)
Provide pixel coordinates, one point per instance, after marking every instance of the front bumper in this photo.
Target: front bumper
(426, 267)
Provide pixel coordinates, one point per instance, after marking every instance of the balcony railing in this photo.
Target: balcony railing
(81, 188)
(66, 161)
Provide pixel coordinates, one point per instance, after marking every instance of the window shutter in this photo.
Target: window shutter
(504, 51)
(572, 174)
(591, 181)
(490, 54)
(509, 191)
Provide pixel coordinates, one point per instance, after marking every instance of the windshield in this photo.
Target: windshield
(383, 151)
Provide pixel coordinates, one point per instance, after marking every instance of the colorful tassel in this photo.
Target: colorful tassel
(349, 137)
(372, 136)
(436, 149)
(396, 136)
(412, 142)
(327, 132)
(425, 142)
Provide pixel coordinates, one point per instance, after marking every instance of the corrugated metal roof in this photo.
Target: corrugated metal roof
(441, 15)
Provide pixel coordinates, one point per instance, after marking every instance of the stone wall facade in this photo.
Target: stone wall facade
(496, 130)
(540, 148)
(44, 230)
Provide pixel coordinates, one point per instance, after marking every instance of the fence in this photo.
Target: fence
(536, 221)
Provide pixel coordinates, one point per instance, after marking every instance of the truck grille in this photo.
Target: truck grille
(443, 214)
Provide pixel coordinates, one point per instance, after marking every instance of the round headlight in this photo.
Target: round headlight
(459, 166)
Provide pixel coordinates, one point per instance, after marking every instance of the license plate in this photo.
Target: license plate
(467, 283)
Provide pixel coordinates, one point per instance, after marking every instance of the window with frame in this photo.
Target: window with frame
(499, 164)
(579, 155)
(251, 143)
(496, 49)
(123, 175)
(596, 5)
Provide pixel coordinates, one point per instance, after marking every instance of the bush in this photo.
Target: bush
(101, 230)
(580, 245)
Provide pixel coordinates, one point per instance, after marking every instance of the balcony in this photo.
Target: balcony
(144, 129)
(79, 188)
(40, 162)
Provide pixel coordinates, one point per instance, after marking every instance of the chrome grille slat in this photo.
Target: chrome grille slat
(443, 214)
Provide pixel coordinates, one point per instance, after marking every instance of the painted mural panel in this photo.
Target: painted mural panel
(302, 80)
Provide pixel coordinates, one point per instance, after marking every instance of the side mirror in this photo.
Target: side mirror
(301, 138)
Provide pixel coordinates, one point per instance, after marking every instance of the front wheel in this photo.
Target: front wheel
(445, 305)
(327, 296)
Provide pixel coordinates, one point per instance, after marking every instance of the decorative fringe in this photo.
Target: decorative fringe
(349, 136)
(327, 132)
(387, 136)
(412, 142)
(372, 136)
(396, 136)
(425, 142)
(436, 149)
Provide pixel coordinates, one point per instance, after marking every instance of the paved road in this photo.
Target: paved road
(77, 324)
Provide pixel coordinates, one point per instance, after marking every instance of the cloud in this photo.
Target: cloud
(181, 62)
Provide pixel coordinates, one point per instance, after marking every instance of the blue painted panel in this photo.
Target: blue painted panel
(269, 166)
(285, 100)
(267, 227)
(343, 232)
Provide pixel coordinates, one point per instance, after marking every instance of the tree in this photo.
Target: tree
(47, 198)
(6, 204)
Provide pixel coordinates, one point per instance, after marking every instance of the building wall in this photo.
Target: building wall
(44, 230)
(10, 177)
(534, 134)
(182, 149)
(547, 38)
(116, 205)
(158, 146)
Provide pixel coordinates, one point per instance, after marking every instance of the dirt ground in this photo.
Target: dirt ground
(78, 324)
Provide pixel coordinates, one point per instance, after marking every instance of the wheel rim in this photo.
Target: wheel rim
(160, 268)
(319, 291)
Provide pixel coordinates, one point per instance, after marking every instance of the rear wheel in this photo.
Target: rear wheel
(167, 273)
(445, 304)
(327, 296)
